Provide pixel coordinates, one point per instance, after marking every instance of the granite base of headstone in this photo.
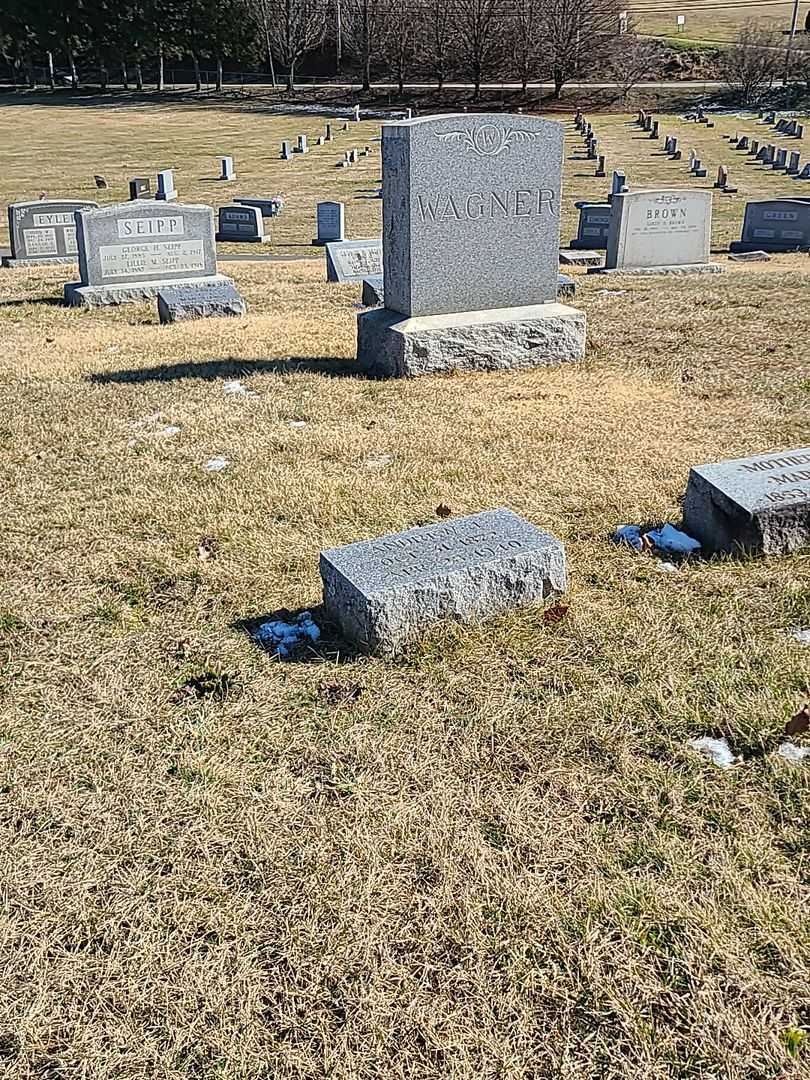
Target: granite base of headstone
(390, 345)
(373, 294)
(566, 287)
(750, 256)
(178, 303)
(128, 252)
(755, 505)
(570, 257)
(387, 592)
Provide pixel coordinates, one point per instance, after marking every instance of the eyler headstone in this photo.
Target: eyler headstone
(659, 232)
(127, 252)
(775, 225)
(178, 303)
(43, 233)
(471, 237)
(755, 505)
(386, 592)
(241, 225)
(352, 260)
(330, 222)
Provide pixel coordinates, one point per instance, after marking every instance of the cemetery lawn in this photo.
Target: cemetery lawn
(493, 857)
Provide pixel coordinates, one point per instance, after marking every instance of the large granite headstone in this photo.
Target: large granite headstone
(127, 252)
(660, 231)
(330, 222)
(471, 233)
(383, 593)
(758, 504)
(43, 233)
(352, 260)
(241, 225)
(775, 225)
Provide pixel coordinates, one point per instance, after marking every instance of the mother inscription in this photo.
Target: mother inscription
(385, 592)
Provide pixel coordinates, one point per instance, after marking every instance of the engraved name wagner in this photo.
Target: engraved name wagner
(480, 205)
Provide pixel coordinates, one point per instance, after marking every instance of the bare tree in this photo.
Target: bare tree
(363, 24)
(525, 34)
(295, 27)
(632, 59)
(479, 41)
(752, 64)
(577, 36)
(437, 41)
(398, 45)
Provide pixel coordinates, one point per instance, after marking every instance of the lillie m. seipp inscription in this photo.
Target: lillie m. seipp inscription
(489, 140)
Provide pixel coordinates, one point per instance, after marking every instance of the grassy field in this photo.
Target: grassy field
(493, 857)
(708, 20)
(58, 149)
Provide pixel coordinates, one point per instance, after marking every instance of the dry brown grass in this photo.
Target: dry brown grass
(500, 860)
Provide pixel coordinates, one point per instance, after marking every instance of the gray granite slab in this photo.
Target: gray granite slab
(775, 225)
(330, 223)
(659, 228)
(352, 260)
(373, 291)
(541, 335)
(581, 258)
(43, 233)
(386, 592)
(758, 505)
(592, 230)
(241, 225)
(177, 303)
(471, 212)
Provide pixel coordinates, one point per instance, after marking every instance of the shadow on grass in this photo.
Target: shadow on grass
(331, 367)
(330, 647)
(49, 301)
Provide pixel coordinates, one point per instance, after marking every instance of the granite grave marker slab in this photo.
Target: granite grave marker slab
(140, 187)
(242, 225)
(594, 223)
(756, 505)
(166, 191)
(660, 231)
(352, 260)
(330, 223)
(127, 252)
(43, 233)
(775, 225)
(384, 593)
(178, 303)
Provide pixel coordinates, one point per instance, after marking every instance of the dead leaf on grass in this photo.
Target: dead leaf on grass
(555, 614)
(800, 722)
(335, 693)
(443, 511)
(213, 684)
(208, 547)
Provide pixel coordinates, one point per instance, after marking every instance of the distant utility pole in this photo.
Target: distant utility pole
(793, 27)
(339, 38)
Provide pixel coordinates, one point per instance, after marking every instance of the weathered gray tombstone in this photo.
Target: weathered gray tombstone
(655, 129)
(754, 505)
(43, 233)
(471, 228)
(140, 187)
(722, 177)
(329, 223)
(128, 252)
(302, 147)
(178, 303)
(166, 191)
(600, 167)
(793, 163)
(743, 143)
(357, 114)
(754, 151)
(780, 161)
(385, 592)
(775, 225)
(660, 232)
(583, 257)
(352, 260)
(286, 151)
(227, 171)
(805, 173)
(328, 135)
(241, 225)
(592, 230)
(373, 294)
(618, 183)
(267, 207)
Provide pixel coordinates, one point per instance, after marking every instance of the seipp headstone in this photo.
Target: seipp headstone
(753, 505)
(127, 252)
(471, 212)
(43, 233)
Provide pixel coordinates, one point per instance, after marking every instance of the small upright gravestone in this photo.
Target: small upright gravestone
(227, 171)
(793, 163)
(659, 232)
(241, 225)
(383, 593)
(43, 233)
(775, 225)
(330, 218)
(755, 505)
(140, 187)
(471, 236)
(302, 147)
(594, 222)
(128, 252)
(166, 191)
(286, 151)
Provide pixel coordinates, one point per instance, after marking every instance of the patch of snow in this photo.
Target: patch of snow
(716, 750)
(793, 753)
(216, 464)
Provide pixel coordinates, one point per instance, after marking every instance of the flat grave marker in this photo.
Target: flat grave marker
(352, 260)
(178, 303)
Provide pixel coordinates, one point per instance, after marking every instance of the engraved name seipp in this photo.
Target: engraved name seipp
(129, 228)
(491, 205)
